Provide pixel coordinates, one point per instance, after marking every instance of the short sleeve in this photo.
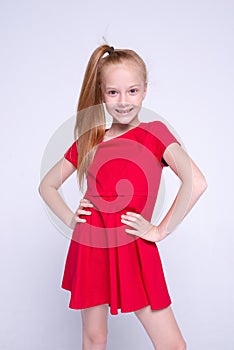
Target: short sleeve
(162, 138)
(72, 154)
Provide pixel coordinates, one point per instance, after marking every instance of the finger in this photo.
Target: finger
(84, 199)
(77, 219)
(86, 202)
(128, 217)
(136, 215)
(133, 232)
(129, 223)
(83, 212)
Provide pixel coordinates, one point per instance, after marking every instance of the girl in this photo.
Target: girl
(113, 258)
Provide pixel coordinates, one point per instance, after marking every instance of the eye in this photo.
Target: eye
(112, 92)
(133, 91)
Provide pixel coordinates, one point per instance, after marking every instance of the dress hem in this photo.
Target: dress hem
(120, 310)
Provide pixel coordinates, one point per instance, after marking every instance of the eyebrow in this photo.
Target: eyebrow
(130, 87)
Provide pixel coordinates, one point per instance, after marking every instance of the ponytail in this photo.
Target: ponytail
(90, 119)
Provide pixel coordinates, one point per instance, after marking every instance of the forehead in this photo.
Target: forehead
(128, 72)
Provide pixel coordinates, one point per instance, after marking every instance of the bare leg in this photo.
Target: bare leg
(162, 328)
(94, 327)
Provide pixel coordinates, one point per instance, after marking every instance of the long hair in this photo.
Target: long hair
(90, 123)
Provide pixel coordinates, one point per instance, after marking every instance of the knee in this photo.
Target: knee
(178, 345)
(181, 345)
(97, 338)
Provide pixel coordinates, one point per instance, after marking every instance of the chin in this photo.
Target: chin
(124, 121)
(127, 119)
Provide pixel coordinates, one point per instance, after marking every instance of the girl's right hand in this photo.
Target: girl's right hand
(84, 203)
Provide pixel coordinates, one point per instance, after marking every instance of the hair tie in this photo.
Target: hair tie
(111, 50)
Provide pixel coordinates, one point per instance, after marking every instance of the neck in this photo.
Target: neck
(117, 127)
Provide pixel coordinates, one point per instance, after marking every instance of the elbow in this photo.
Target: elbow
(40, 189)
(204, 184)
(200, 184)
(45, 188)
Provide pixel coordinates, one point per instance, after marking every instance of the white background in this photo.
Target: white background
(187, 46)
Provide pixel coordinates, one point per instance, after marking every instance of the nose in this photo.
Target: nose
(123, 100)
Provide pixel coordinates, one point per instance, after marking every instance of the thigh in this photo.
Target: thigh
(94, 319)
(161, 327)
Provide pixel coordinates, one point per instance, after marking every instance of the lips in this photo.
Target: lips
(124, 111)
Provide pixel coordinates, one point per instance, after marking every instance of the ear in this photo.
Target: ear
(145, 90)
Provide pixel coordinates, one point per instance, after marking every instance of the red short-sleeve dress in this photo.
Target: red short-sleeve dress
(104, 264)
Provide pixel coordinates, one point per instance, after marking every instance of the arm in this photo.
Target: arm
(193, 184)
(48, 190)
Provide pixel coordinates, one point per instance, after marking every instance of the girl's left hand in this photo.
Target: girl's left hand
(141, 227)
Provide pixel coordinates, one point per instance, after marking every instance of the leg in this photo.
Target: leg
(162, 328)
(94, 327)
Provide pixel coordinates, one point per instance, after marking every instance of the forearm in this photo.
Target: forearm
(193, 184)
(186, 198)
(56, 203)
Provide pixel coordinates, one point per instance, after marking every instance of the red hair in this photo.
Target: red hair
(90, 120)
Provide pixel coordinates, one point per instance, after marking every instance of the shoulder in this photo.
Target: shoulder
(154, 126)
(158, 129)
(72, 153)
(158, 137)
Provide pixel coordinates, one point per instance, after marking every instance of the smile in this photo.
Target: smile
(124, 111)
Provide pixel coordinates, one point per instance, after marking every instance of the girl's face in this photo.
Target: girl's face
(123, 90)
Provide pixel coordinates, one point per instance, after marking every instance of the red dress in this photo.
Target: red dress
(104, 264)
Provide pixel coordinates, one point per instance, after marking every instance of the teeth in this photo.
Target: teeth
(124, 111)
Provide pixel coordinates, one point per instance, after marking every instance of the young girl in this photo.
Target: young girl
(113, 259)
